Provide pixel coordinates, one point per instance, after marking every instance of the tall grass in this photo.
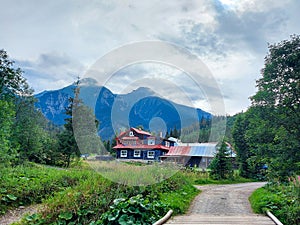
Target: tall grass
(283, 200)
(132, 174)
(92, 196)
(31, 183)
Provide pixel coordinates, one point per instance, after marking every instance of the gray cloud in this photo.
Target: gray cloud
(51, 70)
(54, 41)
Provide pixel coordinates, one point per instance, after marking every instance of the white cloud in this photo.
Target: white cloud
(51, 71)
(230, 36)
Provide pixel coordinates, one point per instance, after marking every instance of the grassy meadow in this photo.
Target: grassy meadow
(83, 196)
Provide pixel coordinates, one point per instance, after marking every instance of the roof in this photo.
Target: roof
(140, 131)
(199, 149)
(120, 146)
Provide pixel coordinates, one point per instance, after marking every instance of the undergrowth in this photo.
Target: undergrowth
(283, 200)
(31, 183)
(96, 200)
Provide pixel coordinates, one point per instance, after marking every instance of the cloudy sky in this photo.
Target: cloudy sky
(56, 41)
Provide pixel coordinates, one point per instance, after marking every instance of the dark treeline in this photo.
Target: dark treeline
(208, 130)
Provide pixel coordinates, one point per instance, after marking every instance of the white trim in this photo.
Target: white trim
(123, 153)
(167, 144)
(137, 153)
(151, 156)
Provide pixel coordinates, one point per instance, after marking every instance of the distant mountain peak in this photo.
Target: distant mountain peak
(88, 82)
(115, 111)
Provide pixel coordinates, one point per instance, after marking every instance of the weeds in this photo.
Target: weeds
(283, 200)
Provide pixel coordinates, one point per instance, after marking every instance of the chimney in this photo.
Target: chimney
(160, 134)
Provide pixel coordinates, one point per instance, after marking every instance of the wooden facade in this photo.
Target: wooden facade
(139, 145)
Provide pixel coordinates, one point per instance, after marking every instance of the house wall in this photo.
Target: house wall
(143, 155)
(199, 161)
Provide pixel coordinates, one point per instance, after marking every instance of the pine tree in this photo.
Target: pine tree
(221, 166)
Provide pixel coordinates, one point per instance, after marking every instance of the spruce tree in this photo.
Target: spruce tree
(221, 166)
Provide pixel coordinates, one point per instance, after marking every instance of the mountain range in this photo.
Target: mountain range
(141, 107)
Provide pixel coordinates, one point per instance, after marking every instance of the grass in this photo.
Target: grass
(283, 200)
(202, 178)
(24, 185)
(81, 196)
(132, 174)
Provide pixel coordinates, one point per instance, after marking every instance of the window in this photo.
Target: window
(131, 134)
(150, 154)
(151, 141)
(123, 153)
(203, 159)
(167, 144)
(137, 153)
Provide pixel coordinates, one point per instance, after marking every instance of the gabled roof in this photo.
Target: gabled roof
(140, 131)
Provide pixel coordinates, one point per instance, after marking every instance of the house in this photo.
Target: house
(193, 154)
(139, 145)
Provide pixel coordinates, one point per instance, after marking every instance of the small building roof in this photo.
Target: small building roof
(194, 149)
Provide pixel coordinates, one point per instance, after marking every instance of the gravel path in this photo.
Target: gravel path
(231, 199)
(16, 214)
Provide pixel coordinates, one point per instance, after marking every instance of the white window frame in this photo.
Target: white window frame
(137, 153)
(151, 141)
(131, 133)
(148, 154)
(123, 153)
(167, 144)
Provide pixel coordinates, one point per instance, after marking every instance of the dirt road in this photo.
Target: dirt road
(223, 204)
(229, 199)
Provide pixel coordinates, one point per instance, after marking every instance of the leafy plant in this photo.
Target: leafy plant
(135, 210)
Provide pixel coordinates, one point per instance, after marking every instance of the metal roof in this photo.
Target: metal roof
(201, 149)
(208, 150)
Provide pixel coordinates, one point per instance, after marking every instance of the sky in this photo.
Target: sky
(56, 41)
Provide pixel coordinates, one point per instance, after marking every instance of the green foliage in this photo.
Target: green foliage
(207, 130)
(135, 210)
(283, 200)
(179, 200)
(23, 185)
(242, 147)
(94, 200)
(268, 133)
(12, 83)
(80, 131)
(24, 133)
(7, 113)
(221, 166)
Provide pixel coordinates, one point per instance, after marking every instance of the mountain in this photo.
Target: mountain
(118, 111)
